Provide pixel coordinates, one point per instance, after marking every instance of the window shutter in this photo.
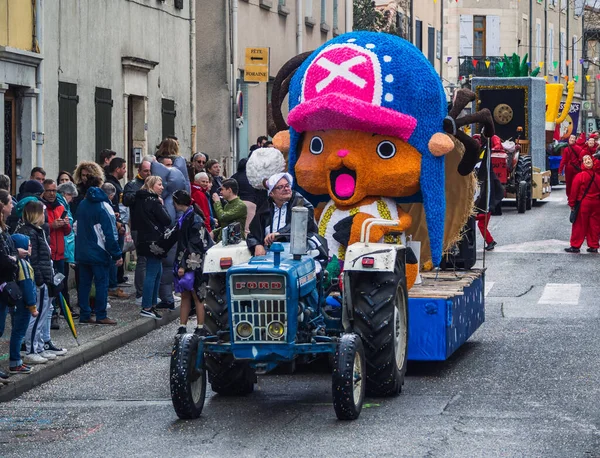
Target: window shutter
(466, 35)
(179, 4)
(168, 118)
(431, 45)
(67, 125)
(104, 103)
(492, 36)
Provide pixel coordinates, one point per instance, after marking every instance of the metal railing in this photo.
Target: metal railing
(468, 68)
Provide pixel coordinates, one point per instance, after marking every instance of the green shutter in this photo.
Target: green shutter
(67, 125)
(104, 103)
(168, 118)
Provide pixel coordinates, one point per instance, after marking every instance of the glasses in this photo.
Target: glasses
(201, 162)
(281, 187)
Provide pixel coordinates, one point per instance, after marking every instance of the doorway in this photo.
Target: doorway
(136, 133)
(10, 139)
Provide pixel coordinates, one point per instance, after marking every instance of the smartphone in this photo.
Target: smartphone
(64, 215)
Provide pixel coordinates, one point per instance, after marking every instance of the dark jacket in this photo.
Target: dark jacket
(81, 193)
(246, 190)
(96, 240)
(117, 197)
(217, 182)
(264, 217)
(40, 260)
(193, 241)
(129, 191)
(8, 258)
(151, 221)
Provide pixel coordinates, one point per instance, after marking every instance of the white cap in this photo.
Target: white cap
(274, 179)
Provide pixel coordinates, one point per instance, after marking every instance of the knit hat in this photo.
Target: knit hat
(32, 187)
(21, 241)
(274, 179)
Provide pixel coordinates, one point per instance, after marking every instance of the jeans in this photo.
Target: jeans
(151, 282)
(166, 282)
(20, 322)
(112, 277)
(100, 273)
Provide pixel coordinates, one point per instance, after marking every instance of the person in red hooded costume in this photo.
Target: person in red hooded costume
(586, 190)
(570, 163)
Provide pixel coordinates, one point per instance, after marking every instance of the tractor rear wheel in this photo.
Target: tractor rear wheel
(381, 320)
(522, 197)
(524, 172)
(226, 376)
(188, 383)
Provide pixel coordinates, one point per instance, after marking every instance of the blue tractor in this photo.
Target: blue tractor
(268, 311)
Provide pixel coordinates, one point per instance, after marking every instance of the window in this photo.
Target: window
(308, 8)
(563, 52)
(67, 125)
(479, 35)
(538, 42)
(168, 118)
(550, 48)
(419, 34)
(104, 103)
(179, 4)
(323, 11)
(282, 2)
(431, 45)
(574, 58)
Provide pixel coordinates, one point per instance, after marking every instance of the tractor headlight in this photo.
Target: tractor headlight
(244, 329)
(276, 330)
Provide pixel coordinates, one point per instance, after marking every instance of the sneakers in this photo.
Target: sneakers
(592, 250)
(202, 332)
(176, 298)
(106, 321)
(166, 305)
(490, 246)
(34, 358)
(572, 249)
(22, 369)
(138, 300)
(54, 322)
(182, 330)
(108, 306)
(3, 375)
(124, 281)
(118, 293)
(50, 347)
(48, 355)
(150, 314)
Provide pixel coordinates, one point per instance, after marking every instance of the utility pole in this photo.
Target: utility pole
(412, 21)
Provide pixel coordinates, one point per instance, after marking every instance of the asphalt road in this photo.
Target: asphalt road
(526, 384)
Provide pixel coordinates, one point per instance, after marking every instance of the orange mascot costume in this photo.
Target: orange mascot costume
(366, 133)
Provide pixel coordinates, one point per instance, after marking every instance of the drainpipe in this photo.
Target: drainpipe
(349, 16)
(193, 76)
(568, 39)
(546, 38)
(531, 31)
(299, 28)
(412, 29)
(39, 31)
(234, 75)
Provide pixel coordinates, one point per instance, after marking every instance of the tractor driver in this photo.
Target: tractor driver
(272, 220)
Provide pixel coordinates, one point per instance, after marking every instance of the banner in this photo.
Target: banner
(569, 126)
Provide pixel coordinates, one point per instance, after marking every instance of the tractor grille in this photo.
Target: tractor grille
(259, 313)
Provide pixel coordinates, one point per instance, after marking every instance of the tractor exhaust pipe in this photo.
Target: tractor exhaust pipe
(299, 232)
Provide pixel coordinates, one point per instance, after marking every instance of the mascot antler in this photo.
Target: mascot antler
(453, 123)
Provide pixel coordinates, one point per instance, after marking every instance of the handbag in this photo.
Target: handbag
(57, 286)
(128, 244)
(11, 293)
(575, 209)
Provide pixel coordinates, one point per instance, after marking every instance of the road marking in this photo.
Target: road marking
(561, 294)
(552, 246)
(488, 286)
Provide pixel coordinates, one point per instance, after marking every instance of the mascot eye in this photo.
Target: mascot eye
(386, 150)
(316, 145)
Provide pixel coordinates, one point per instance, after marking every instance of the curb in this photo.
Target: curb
(87, 352)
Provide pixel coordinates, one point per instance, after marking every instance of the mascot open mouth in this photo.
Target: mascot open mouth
(343, 182)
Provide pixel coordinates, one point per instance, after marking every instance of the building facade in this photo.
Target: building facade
(85, 76)
(224, 31)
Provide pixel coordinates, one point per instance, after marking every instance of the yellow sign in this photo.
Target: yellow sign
(257, 65)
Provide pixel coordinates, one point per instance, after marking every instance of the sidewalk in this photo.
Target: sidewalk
(94, 340)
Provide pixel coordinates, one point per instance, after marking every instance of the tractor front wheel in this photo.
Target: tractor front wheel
(188, 382)
(349, 377)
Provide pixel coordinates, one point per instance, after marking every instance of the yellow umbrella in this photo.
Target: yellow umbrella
(67, 314)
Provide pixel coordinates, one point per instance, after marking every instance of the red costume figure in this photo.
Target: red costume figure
(570, 163)
(586, 190)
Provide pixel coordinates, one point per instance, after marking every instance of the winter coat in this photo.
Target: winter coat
(233, 211)
(496, 188)
(264, 217)
(54, 211)
(96, 240)
(8, 258)
(246, 191)
(151, 221)
(41, 259)
(26, 281)
(193, 241)
(217, 182)
(70, 237)
(117, 198)
(200, 198)
(81, 193)
(173, 178)
(129, 192)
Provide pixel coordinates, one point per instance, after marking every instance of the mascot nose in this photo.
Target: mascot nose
(343, 153)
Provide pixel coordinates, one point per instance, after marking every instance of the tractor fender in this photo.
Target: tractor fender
(383, 254)
(239, 254)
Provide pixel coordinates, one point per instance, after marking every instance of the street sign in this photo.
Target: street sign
(256, 68)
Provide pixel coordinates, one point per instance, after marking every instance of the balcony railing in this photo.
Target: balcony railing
(468, 68)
